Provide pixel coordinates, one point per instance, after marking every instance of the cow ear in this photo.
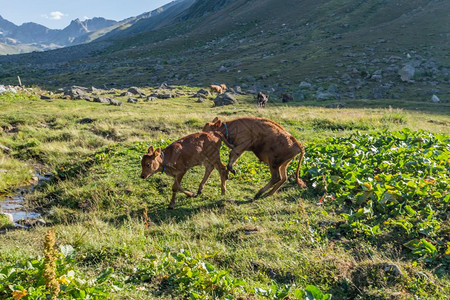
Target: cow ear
(215, 120)
(150, 150)
(218, 123)
(158, 152)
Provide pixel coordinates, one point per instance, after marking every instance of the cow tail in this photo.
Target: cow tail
(302, 155)
(222, 137)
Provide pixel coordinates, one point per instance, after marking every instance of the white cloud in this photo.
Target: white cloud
(55, 15)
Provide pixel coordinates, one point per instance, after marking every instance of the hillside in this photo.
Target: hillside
(339, 49)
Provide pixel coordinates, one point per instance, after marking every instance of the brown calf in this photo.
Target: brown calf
(201, 148)
(270, 143)
(216, 89)
(262, 99)
(224, 87)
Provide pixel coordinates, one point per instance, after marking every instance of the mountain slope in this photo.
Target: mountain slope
(345, 49)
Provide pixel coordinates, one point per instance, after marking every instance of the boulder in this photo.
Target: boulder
(5, 149)
(136, 91)
(225, 99)
(132, 100)
(435, 99)
(115, 102)
(45, 97)
(305, 85)
(8, 217)
(407, 73)
(202, 93)
(325, 96)
(126, 94)
(77, 93)
(102, 100)
(223, 69)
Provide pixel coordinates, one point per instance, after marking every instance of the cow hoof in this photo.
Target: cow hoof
(230, 169)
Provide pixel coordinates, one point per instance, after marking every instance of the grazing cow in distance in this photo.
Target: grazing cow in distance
(201, 148)
(262, 99)
(224, 87)
(216, 89)
(286, 98)
(268, 141)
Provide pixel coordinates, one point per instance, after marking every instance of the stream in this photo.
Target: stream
(15, 205)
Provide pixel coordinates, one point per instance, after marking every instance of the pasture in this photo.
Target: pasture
(373, 222)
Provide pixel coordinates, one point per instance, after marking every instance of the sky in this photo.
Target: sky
(57, 14)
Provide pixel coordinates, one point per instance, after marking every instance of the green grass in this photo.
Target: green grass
(98, 204)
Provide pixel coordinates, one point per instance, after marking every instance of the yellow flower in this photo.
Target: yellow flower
(17, 295)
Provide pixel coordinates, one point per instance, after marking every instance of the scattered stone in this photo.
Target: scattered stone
(325, 96)
(202, 93)
(9, 217)
(32, 222)
(77, 93)
(305, 85)
(162, 96)
(132, 100)
(86, 121)
(335, 105)
(224, 99)
(407, 73)
(115, 102)
(45, 97)
(200, 100)
(238, 89)
(102, 100)
(223, 69)
(5, 149)
(435, 99)
(149, 98)
(163, 86)
(136, 91)
(393, 270)
(126, 94)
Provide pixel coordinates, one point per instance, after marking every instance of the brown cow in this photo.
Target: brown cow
(270, 143)
(286, 98)
(216, 89)
(201, 148)
(262, 99)
(224, 87)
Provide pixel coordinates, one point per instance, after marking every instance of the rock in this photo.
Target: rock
(335, 105)
(77, 93)
(86, 121)
(224, 99)
(407, 73)
(435, 99)
(45, 97)
(161, 96)
(8, 217)
(163, 86)
(299, 95)
(223, 69)
(238, 89)
(126, 94)
(200, 100)
(5, 149)
(136, 91)
(393, 270)
(32, 222)
(2, 89)
(102, 100)
(149, 98)
(132, 100)
(115, 102)
(325, 96)
(305, 85)
(202, 93)
(379, 92)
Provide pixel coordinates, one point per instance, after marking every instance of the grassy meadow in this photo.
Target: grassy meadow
(372, 224)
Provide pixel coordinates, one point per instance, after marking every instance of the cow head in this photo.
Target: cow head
(151, 162)
(213, 126)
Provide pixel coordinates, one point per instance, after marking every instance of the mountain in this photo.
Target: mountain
(32, 36)
(315, 49)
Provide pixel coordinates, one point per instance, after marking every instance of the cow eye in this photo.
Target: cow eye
(148, 165)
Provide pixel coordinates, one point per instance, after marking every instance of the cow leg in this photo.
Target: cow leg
(223, 176)
(283, 173)
(276, 177)
(176, 187)
(208, 169)
(234, 155)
